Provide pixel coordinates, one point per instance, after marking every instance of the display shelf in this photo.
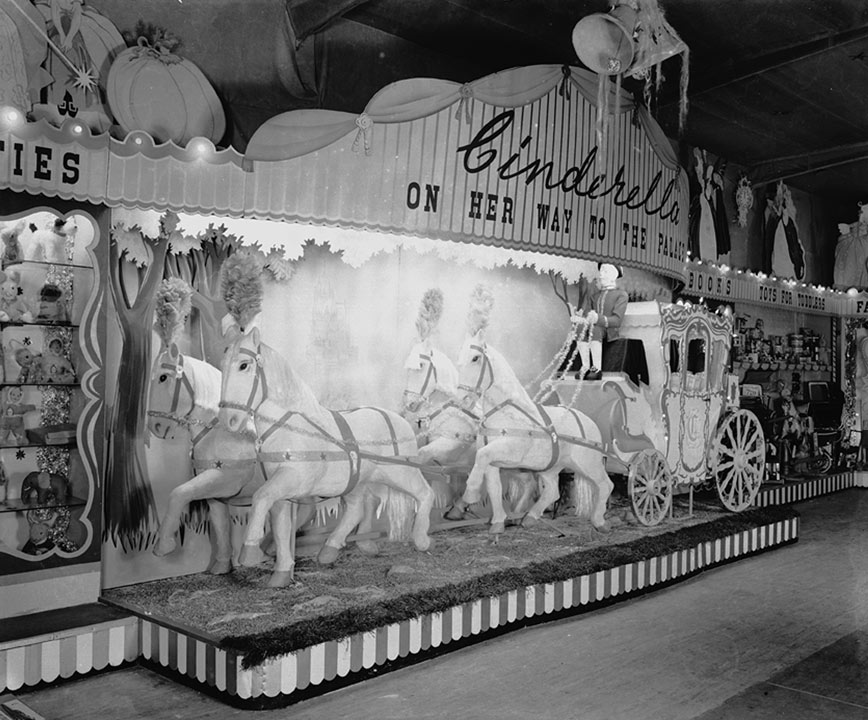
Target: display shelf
(774, 365)
(40, 323)
(18, 505)
(47, 264)
(68, 444)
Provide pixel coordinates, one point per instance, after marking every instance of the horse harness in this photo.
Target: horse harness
(347, 445)
(540, 429)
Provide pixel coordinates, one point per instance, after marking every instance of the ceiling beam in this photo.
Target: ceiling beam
(790, 166)
(714, 79)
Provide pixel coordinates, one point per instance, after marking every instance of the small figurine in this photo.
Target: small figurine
(11, 245)
(12, 412)
(52, 307)
(12, 306)
(4, 484)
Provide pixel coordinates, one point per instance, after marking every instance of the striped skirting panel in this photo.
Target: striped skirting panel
(798, 490)
(319, 665)
(46, 658)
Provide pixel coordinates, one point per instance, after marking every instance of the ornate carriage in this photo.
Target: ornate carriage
(669, 418)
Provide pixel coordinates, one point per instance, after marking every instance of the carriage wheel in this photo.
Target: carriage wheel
(650, 487)
(740, 460)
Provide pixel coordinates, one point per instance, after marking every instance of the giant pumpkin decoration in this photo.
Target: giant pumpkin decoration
(152, 89)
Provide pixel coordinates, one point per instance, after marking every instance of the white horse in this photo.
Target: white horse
(519, 433)
(184, 396)
(447, 430)
(310, 451)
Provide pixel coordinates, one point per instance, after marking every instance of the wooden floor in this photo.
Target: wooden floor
(784, 634)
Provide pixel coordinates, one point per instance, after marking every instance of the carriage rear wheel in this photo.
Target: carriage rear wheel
(650, 487)
(740, 460)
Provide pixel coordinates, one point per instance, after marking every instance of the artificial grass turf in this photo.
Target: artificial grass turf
(259, 647)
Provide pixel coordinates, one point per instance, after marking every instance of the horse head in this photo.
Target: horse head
(428, 371)
(243, 388)
(171, 397)
(475, 371)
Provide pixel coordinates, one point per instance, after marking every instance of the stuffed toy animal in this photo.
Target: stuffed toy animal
(40, 541)
(52, 306)
(11, 245)
(48, 244)
(23, 357)
(12, 305)
(12, 412)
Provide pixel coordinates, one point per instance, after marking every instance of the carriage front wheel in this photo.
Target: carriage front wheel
(739, 460)
(650, 487)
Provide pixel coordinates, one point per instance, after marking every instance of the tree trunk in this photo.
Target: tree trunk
(129, 508)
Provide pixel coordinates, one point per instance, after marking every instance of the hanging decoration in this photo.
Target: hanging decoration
(632, 39)
(851, 253)
(151, 88)
(783, 254)
(743, 199)
(22, 51)
(82, 44)
(708, 227)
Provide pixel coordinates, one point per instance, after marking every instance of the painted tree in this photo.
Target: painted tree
(138, 267)
(135, 271)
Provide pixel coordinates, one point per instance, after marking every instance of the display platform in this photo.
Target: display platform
(798, 489)
(55, 645)
(258, 647)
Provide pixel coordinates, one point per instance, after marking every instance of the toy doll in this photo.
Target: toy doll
(12, 412)
(52, 307)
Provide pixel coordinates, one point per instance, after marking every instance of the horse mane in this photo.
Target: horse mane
(206, 379)
(285, 386)
(447, 373)
(506, 379)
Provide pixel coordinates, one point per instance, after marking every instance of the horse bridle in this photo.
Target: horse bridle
(182, 381)
(259, 379)
(420, 395)
(478, 390)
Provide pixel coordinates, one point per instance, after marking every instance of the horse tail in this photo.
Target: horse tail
(401, 513)
(585, 501)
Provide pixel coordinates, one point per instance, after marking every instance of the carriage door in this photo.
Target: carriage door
(687, 402)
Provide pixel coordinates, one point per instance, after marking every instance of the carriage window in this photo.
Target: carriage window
(717, 367)
(696, 356)
(674, 359)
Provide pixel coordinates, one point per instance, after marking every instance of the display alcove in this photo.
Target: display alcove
(49, 404)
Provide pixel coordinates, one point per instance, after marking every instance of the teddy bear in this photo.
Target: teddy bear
(12, 305)
(11, 245)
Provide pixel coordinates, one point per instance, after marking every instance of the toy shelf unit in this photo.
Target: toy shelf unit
(47, 482)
